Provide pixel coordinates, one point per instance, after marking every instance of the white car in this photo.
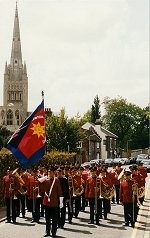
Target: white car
(126, 160)
(142, 157)
(119, 160)
(146, 164)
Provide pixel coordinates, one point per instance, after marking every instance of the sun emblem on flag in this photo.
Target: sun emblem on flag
(38, 130)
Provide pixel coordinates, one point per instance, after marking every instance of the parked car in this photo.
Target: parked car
(97, 161)
(146, 164)
(86, 164)
(119, 160)
(125, 160)
(142, 157)
(109, 162)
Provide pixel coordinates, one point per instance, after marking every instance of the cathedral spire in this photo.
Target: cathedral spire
(16, 56)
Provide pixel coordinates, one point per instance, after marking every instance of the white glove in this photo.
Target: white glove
(42, 179)
(61, 202)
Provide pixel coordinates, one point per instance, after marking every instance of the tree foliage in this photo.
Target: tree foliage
(95, 110)
(127, 121)
(4, 136)
(62, 133)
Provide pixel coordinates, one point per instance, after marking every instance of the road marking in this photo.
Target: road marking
(139, 216)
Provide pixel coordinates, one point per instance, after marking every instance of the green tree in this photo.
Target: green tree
(95, 110)
(4, 136)
(126, 121)
(62, 133)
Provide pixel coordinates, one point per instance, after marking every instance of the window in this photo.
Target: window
(104, 142)
(9, 117)
(79, 144)
(17, 117)
(98, 145)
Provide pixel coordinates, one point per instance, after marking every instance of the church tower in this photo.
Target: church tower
(15, 93)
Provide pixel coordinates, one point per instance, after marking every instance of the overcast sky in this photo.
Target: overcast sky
(76, 49)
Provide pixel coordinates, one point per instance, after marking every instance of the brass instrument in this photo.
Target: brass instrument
(97, 188)
(141, 192)
(107, 193)
(38, 195)
(37, 188)
(70, 182)
(22, 190)
(137, 192)
(12, 189)
(79, 190)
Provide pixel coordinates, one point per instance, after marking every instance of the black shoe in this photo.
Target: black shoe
(126, 224)
(97, 223)
(53, 235)
(14, 221)
(91, 222)
(70, 222)
(46, 235)
(33, 221)
(105, 218)
(132, 224)
(82, 210)
(8, 221)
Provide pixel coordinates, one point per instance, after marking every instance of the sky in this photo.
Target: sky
(77, 49)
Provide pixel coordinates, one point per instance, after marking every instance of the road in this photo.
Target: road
(111, 228)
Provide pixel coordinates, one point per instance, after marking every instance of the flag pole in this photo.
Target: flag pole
(42, 95)
(44, 118)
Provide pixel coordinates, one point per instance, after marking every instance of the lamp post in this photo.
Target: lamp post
(68, 146)
(128, 146)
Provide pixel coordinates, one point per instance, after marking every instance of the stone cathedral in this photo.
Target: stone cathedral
(15, 89)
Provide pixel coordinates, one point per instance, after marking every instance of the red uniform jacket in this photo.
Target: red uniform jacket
(77, 181)
(111, 175)
(6, 186)
(85, 175)
(33, 183)
(138, 179)
(55, 193)
(143, 173)
(90, 188)
(106, 181)
(126, 191)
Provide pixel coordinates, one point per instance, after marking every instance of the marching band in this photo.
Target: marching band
(65, 190)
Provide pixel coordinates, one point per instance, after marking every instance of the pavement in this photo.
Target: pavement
(111, 228)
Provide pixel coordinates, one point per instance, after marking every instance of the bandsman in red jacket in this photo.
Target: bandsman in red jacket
(33, 193)
(92, 194)
(53, 200)
(78, 190)
(128, 199)
(106, 189)
(143, 172)
(9, 192)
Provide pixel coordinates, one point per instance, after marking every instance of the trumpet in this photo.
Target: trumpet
(12, 189)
